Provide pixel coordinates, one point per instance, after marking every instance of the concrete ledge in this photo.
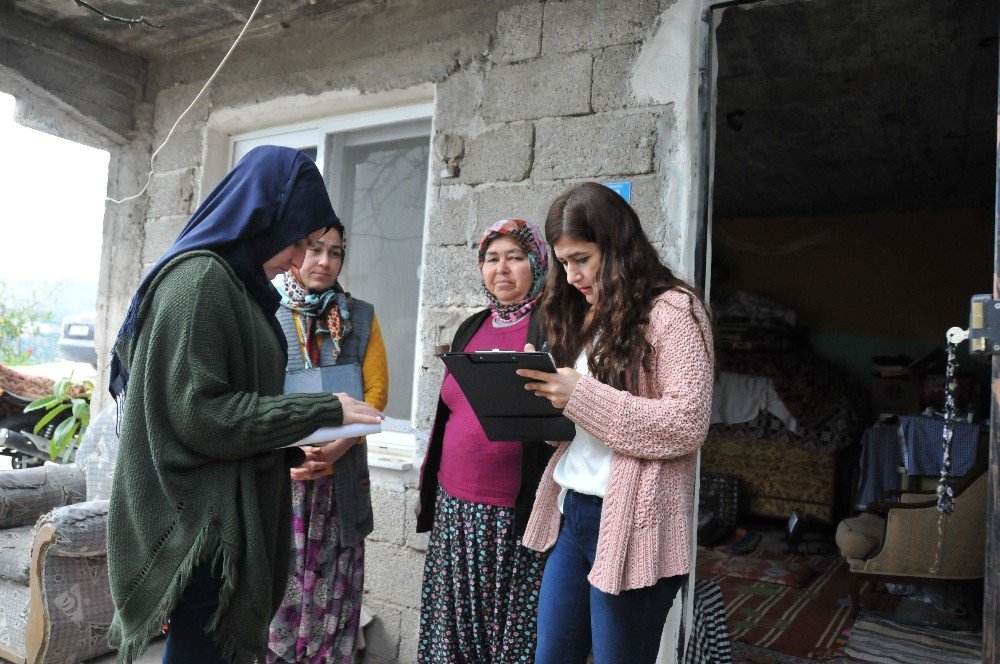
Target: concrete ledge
(98, 87)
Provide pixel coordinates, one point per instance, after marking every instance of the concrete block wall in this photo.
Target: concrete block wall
(549, 105)
(174, 188)
(123, 239)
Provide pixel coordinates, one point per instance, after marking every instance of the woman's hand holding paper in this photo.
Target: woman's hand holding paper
(310, 470)
(331, 451)
(358, 412)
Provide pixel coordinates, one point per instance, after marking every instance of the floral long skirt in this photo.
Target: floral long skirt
(319, 617)
(479, 602)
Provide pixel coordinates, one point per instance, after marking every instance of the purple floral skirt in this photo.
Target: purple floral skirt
(479, 601)
(318, 619)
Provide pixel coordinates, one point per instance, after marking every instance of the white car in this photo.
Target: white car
(76, 339)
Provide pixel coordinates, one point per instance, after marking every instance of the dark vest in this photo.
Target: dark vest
(352, 487)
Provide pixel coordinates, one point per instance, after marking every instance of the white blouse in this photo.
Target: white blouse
(587, 463)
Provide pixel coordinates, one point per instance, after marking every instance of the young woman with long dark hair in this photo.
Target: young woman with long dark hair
(635, 349)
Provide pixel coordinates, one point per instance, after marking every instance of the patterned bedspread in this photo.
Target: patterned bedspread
(775, 478)
(830, 413)
(841, 429)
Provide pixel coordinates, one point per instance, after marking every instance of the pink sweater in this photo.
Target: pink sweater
(645, 531)
(473, 467)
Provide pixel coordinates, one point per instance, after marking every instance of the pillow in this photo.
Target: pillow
(859, 536)
(786, 573)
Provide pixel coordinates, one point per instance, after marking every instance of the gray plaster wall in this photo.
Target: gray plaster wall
(529, 99)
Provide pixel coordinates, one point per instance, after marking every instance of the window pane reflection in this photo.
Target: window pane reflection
(383, 189)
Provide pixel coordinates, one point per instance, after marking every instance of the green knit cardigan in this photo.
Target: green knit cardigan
(199, 477)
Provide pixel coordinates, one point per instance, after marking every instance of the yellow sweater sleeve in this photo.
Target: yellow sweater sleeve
(375, 369)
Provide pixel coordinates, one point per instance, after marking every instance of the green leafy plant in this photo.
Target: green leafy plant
(73, 400)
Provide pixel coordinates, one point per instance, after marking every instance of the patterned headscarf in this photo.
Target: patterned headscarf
(332, 306)
(528, 237)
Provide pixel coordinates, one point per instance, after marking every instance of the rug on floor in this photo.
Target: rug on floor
(879, 639)
(806, 622)
(744, 653)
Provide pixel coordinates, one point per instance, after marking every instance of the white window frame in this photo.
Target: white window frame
(314, 132)
(396, 447)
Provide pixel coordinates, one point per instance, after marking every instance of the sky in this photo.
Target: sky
(51, 204)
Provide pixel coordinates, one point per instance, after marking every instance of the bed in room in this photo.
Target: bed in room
(781, 420)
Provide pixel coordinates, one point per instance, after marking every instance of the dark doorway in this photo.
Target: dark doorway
(852, 216)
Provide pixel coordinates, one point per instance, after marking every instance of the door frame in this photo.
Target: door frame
(991, 589)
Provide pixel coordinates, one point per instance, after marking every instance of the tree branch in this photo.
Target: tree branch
(117, 19)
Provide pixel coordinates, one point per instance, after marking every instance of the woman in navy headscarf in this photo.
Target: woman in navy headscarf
(198, 524)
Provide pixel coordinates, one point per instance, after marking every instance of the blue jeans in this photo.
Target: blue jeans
(187, 642)
(574, 617)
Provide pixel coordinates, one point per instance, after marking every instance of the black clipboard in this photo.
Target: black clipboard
(505, 409)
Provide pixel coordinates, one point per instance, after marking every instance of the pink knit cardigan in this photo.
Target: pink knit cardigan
(645, 531)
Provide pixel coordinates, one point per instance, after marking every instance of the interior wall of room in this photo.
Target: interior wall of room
(863, 284)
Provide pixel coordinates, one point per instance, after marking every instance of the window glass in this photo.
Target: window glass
(383, 191)
(375, 165)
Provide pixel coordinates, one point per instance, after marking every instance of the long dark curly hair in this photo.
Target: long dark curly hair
(629, 278)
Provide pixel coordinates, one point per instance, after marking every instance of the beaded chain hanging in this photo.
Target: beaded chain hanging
(945, 491)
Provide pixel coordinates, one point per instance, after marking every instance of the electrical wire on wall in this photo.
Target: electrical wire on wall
(152, 158)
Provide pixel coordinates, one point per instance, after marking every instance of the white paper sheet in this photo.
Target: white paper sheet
(327, 434)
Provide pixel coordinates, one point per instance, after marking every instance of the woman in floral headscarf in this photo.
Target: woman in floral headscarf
(331, 498)
(480, 591)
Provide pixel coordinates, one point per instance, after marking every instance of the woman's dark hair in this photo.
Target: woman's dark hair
(629, 278)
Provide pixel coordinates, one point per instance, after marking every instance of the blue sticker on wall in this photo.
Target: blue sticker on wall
(623, 189)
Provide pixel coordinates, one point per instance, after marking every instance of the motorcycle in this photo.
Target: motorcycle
(17, 440)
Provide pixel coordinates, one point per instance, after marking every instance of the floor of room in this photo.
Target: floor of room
(775, 622)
